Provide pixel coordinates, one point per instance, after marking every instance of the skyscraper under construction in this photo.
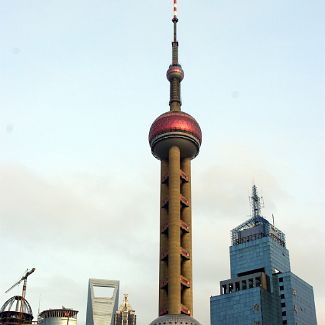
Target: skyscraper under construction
(175, 138)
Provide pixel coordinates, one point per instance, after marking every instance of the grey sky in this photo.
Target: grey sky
(82, 81)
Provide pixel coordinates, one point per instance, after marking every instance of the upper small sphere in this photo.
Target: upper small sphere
(175, 129)
(175, 71)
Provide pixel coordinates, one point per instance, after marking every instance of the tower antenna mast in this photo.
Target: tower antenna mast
(175, 9)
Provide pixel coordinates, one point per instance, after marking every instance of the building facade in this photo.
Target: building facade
(262, 289)
(63, 316)
(125, 314)
(175, 139)
(102, 301)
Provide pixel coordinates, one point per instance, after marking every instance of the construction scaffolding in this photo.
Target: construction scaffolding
(257, 226)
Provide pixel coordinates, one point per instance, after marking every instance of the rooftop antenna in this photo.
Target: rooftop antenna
(256, 203)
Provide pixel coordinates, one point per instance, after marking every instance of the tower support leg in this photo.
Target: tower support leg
(174, 263)
(187, 237)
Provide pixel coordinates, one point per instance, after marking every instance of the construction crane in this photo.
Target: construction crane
(23, 278)
(23, 294)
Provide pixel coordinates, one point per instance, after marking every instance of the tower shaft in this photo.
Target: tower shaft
(175, 295)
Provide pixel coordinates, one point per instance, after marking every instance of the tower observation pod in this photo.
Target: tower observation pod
(175, 139)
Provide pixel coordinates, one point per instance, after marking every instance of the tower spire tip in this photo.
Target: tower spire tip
(175, 9)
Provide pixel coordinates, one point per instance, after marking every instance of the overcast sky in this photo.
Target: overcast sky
(80, 84)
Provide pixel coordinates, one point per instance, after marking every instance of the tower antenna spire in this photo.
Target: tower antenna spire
(175, 42)
(175, 73)
(175, 8)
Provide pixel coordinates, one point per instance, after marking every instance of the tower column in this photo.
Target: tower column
(163, 274)
(187, 236)
(174, 263)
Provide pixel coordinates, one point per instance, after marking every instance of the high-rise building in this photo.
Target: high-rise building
(102, 301)
(262, 289)
(175, 139)
(125, 314)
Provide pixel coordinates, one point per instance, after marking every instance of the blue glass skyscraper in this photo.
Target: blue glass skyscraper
(262, 289)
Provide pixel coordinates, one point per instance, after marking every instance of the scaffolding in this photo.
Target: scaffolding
(257, 226)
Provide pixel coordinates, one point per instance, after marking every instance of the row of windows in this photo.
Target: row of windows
(283, 304)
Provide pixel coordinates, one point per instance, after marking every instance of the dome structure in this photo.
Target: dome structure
(175, 128)
(175, 320)
(16, 310)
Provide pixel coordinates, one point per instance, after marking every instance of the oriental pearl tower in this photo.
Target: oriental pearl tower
(175, 138)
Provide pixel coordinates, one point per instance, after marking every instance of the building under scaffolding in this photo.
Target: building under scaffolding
(16, 310)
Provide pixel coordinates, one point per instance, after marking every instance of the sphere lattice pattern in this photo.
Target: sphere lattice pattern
(12, 303)
(175, 320)
(16, 310)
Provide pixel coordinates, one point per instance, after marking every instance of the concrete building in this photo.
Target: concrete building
(175, 139)
(102, 301)
(125, 314)
(63, 316)
(262, 289)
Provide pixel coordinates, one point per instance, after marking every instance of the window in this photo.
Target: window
(284, 313)
(282, 296)
(280, 279)
(281, 287)
(237, 286)
(283, 304)
(285, 322)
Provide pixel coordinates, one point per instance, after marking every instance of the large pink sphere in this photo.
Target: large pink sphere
(175, 129)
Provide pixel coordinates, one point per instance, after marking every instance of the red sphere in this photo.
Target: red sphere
(175, 128)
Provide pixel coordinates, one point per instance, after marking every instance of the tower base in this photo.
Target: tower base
(175, 320)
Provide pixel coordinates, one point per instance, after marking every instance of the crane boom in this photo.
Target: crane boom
(16, 284)
(23, 278)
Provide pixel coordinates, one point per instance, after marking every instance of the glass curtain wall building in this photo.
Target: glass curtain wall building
(262, 289)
